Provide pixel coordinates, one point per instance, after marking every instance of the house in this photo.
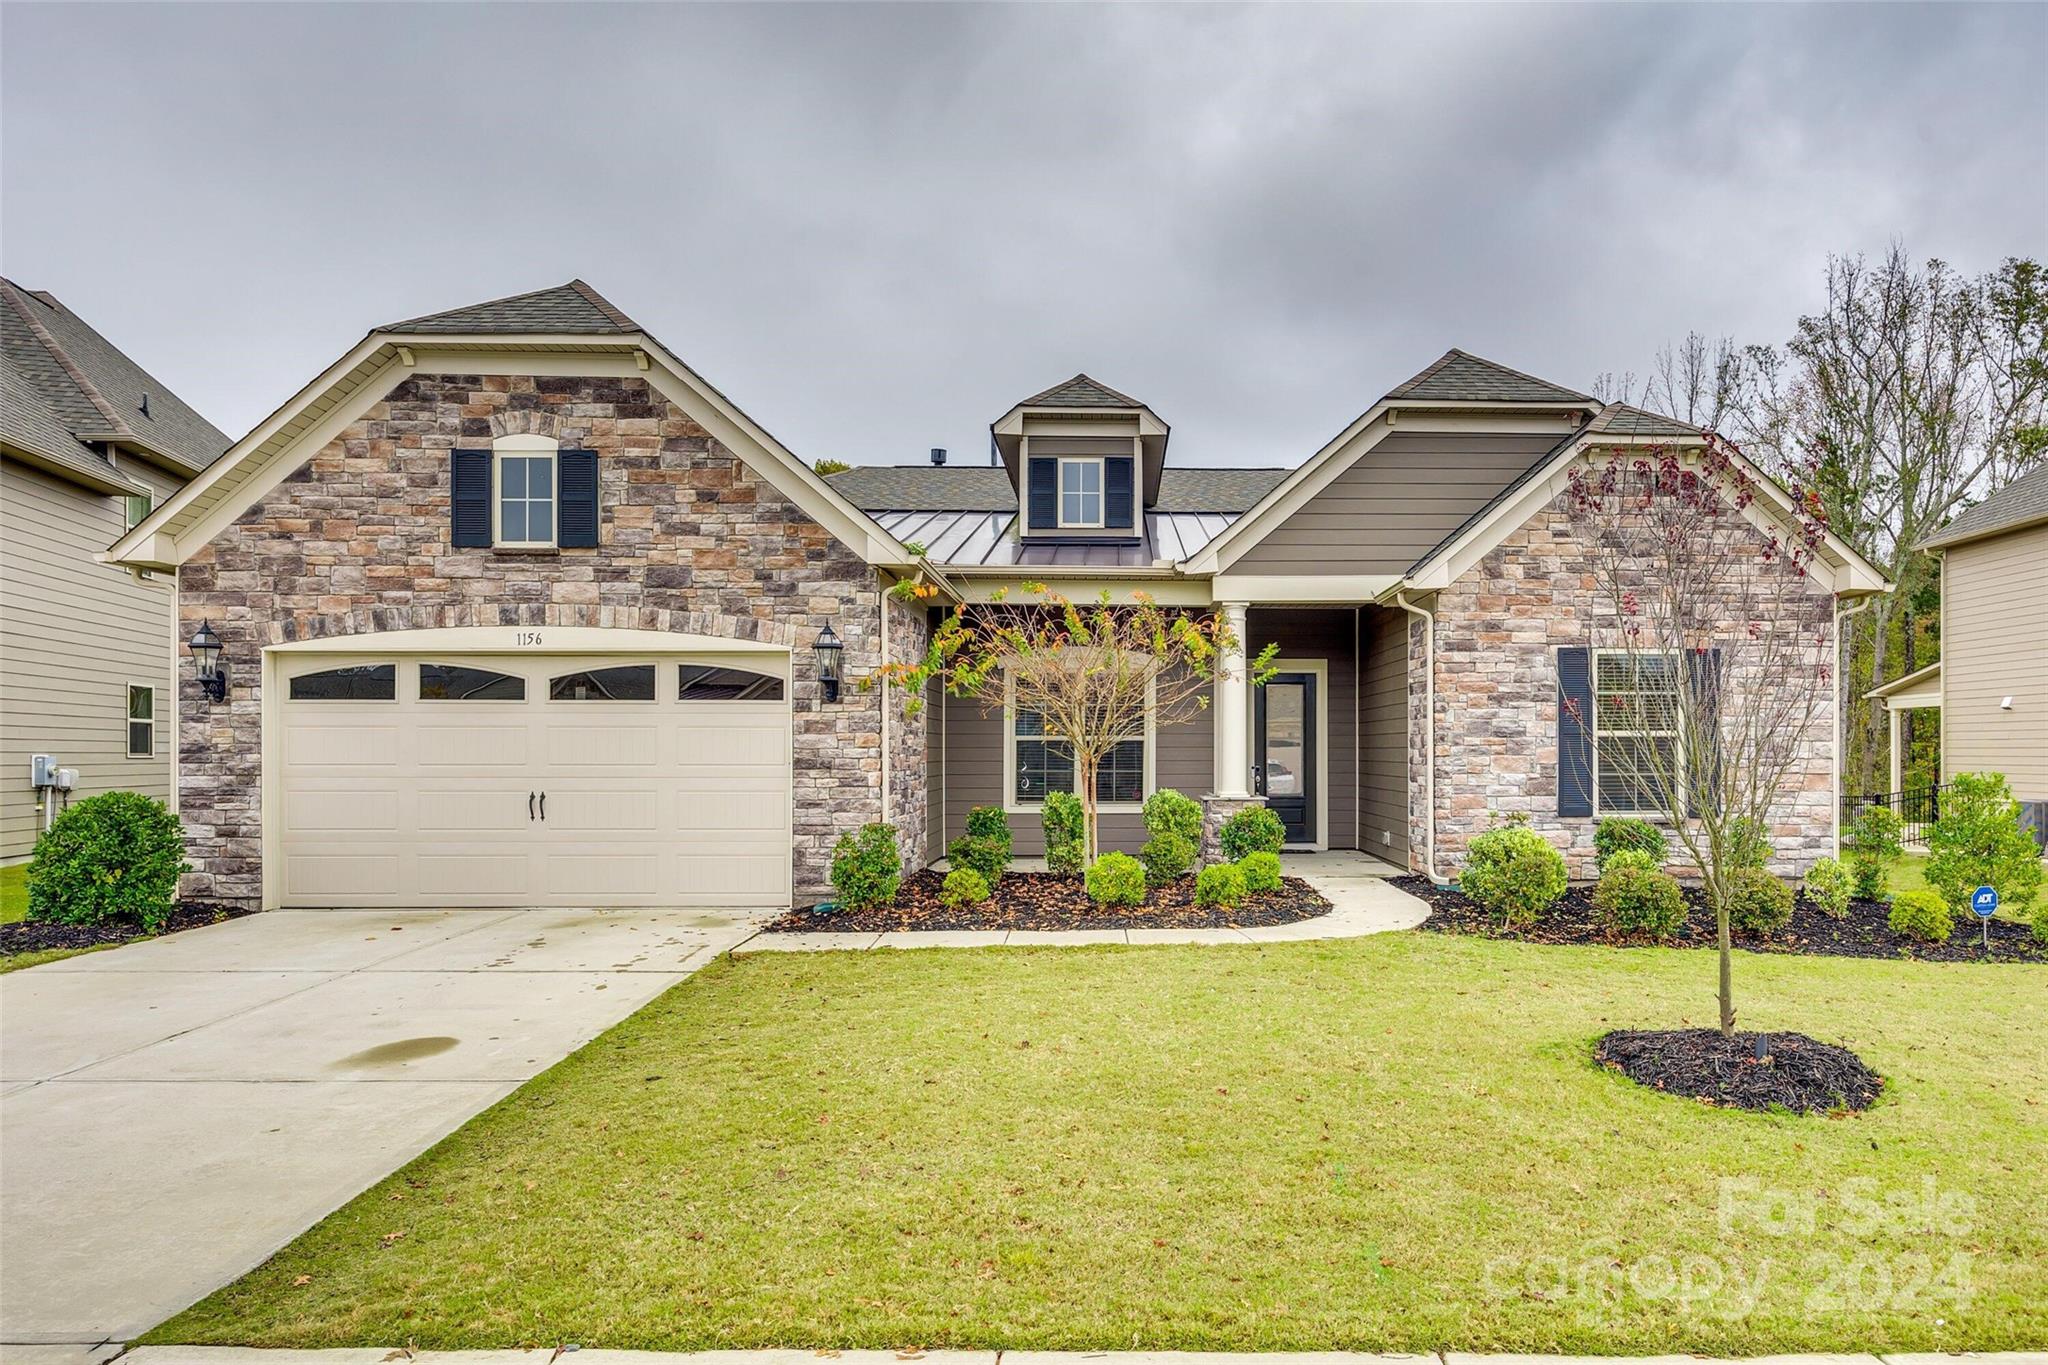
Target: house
(89, 443)
(513, 607)
(1991, 684)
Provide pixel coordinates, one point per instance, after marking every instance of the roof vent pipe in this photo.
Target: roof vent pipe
(938, 455)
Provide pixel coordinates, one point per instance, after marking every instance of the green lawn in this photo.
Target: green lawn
(1395, 1143)
(13, 893)
(1910, 874)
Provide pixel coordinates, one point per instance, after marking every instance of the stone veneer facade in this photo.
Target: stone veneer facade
(690, 540)
(1498, 630)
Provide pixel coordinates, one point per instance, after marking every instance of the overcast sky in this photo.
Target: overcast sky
(876, 228)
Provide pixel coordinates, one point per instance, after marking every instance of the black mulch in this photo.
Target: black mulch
(1039, 900)
(40, 936)
(1797, 1072)
(1861, 933)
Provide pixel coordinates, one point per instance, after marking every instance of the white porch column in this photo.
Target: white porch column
(1233, 747)
(1898, 759)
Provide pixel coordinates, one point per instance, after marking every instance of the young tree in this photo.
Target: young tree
(1092, 674)
(1713, 664)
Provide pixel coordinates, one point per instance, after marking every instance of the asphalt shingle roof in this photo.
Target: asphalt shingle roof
(1459, 376)
(89, 388)
(2019, 503)
(1619, 419)
(573, 308)
(1080, 392)
(986, 488)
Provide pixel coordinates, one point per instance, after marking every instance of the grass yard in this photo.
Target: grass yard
(1910, 874)
(13, 893)
(1395, 1143)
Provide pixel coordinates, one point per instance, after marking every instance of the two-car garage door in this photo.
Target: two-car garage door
(503, 780)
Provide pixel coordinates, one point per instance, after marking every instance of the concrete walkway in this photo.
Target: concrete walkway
(1356, 884)
(173, 1112)
(229, 1355)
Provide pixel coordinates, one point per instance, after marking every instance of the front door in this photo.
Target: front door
(1285, 749)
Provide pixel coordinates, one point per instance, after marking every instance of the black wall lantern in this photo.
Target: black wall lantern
(829, 650)
(213, 674)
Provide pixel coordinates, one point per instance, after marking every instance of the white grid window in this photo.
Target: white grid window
(1080, 492)
(1635, 731)
(523, 501)
(141, 722)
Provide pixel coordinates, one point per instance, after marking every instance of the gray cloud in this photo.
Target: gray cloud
(876, 228)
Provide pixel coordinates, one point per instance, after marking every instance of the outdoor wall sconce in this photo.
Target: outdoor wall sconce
(213, 674)
(829, 651)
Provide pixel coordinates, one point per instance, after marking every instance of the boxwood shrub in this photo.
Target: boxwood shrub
(1621, 833)
(1639, 901)
(1828, 886)
(1168, 812)
(1166, 855)
(1921, 914)
(1219, 886)
(963, 886)
(1758, 903)
(988, 857)
(1066, 839)
(1261, 872)
(117, 855)
(867, 867)
(1255, 829)
(1513, 872)
(1116, 879)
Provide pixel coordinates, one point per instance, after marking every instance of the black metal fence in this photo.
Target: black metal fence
(1917, 807)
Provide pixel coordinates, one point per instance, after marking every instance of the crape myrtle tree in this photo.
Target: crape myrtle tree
(1713, 663)
(1092, 673)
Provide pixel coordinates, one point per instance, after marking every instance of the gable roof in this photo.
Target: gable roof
(2019, 504)
(573, 308)
(29, 430)
(986, 488)
(87, 386)
(1461, 377)
(1080, 392)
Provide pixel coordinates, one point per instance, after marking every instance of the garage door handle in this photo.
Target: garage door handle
(529, 805)
(543, 807)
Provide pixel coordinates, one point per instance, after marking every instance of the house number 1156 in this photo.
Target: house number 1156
(527, 637)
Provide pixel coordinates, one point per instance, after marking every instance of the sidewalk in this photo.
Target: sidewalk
(1356, 884)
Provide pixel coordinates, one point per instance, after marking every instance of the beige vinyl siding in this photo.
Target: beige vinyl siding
(1383, 734)
(1396, 503)
(1994, 645)
(74, 634)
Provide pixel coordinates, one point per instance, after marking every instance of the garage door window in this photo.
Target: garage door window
(631, 682)
(727, 684)
(456, 682)
(359, 682)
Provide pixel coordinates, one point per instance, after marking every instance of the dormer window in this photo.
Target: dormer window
(1080, 493)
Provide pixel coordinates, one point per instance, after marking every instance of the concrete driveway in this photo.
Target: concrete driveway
(173, 1112)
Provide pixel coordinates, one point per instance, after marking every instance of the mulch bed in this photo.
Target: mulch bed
(1796, 1072)
(40, 936)
(1860, 933)
(1040, 900)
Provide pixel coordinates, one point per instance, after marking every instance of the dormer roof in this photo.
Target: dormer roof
(1079, 406)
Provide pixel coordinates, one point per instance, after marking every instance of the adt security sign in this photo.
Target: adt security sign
(1984, 900)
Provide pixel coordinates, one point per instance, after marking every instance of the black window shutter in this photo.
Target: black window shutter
(1117, 495)
(1044, 506)
(1574, 732)
(1703, 770)
(469, 509)
(576, 498)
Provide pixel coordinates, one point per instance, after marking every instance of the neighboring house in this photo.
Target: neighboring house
(89, 443)
(517, 609)
(1991, 685)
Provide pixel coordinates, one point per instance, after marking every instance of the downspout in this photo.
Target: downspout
(1428, 733)
(1841, 717)
(882, 696)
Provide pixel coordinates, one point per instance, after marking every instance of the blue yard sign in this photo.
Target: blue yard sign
(1984, 900)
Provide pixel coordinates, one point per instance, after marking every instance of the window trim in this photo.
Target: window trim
(128, 720)
(128, 500)
(1101, 493)
(507, 448)
(1013, 806)
(1677, 734)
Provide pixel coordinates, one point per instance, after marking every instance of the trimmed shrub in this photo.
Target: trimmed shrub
(1758, 903)
(1876, 839)
(1639, 901)
(867, 867)
(987, 857)
(1633, 858)
(1261, 872)
(1066, 839)
(1978, 840)
(1513, 872)
(2041, 921)
(989, 822)
(963, 886)
(1749, 842)
(1219, 886)
(1620, 833)
(1168, 812)
(1921, 914)
(1116, 879)
(117, 855)
(1828, 886)
(1255, 829)
(1166, 855)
